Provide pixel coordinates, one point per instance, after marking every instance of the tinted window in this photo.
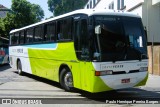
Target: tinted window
(29, 36)
(67, 25)
(77, 38)
(59, 30)
(16, 38)
(64, 29)
(50, 32)
(38, 37)
(11, 39)
(81, 41)
(21, 37)
(121, 38)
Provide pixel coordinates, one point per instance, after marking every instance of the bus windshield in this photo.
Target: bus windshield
(121, 38)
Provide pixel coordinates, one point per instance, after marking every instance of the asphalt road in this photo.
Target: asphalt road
(28, 86)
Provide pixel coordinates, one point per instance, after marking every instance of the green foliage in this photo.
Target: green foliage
(26, 13)
(1, 27)
(23, 13)
(38, 12)
(52, 4)
(59, 7)
(9, 23)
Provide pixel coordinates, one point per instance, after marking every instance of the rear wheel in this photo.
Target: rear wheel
(19, 68)
(66, 79)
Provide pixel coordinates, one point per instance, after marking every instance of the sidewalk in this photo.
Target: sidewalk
(153, 83)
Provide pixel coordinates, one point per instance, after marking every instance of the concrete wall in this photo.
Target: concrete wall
(151, 19)
(138, 11)
(103, 4)
(92, 3)
(155, 2)
(131, 3)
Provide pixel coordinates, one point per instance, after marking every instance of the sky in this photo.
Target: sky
(42, 3)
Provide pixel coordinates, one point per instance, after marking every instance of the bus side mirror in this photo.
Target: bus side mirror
(98, 29)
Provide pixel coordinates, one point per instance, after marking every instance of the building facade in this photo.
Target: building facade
(149, 10)
(3, 11)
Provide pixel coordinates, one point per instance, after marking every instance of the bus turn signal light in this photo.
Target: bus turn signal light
(102, 73)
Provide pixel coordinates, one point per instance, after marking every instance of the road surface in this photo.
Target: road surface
(27, 87)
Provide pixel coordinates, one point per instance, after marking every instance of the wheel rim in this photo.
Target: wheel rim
(68, 80)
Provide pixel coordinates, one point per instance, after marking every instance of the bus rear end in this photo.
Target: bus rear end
(3, 50)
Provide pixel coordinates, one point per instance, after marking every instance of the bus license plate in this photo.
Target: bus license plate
(125, 80)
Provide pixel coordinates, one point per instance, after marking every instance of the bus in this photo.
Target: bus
(4, 54)
(87, 49)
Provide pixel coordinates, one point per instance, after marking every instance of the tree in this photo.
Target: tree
(38, 12)
(9, 23)
(26, 13)
(59, 7)
(1, 27)
(52, 4)
(23, 13)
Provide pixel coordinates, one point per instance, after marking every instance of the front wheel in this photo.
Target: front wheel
(66, 79)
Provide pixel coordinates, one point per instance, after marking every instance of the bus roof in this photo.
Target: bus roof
(88, 12)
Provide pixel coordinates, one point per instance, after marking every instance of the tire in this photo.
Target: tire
(66, 79)
(19, 68)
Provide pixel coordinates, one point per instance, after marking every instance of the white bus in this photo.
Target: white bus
(92, 50)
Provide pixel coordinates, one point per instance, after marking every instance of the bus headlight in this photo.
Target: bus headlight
(143, 69)
(101, 73)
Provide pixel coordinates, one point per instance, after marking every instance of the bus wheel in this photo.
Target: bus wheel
(19, 68)
(66, 79)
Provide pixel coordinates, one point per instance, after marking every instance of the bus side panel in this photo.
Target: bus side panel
(21, 53)
(45, 62)
(89, 81)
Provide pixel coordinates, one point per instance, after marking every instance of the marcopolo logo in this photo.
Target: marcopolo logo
(103, 67)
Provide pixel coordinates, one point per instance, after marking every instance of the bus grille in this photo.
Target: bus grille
(123, 72)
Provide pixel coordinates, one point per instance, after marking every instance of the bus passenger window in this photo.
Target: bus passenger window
(67, 28)
(38, 34)
(11, 39)
(64, 31)
(16, 38)
(22, 37)
(83, 40)
(50, 32)
(59, 30)
(29, 36)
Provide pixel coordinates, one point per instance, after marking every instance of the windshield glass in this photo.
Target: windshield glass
(121, 38)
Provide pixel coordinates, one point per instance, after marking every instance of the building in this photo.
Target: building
(3, 11)
(149, 10)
